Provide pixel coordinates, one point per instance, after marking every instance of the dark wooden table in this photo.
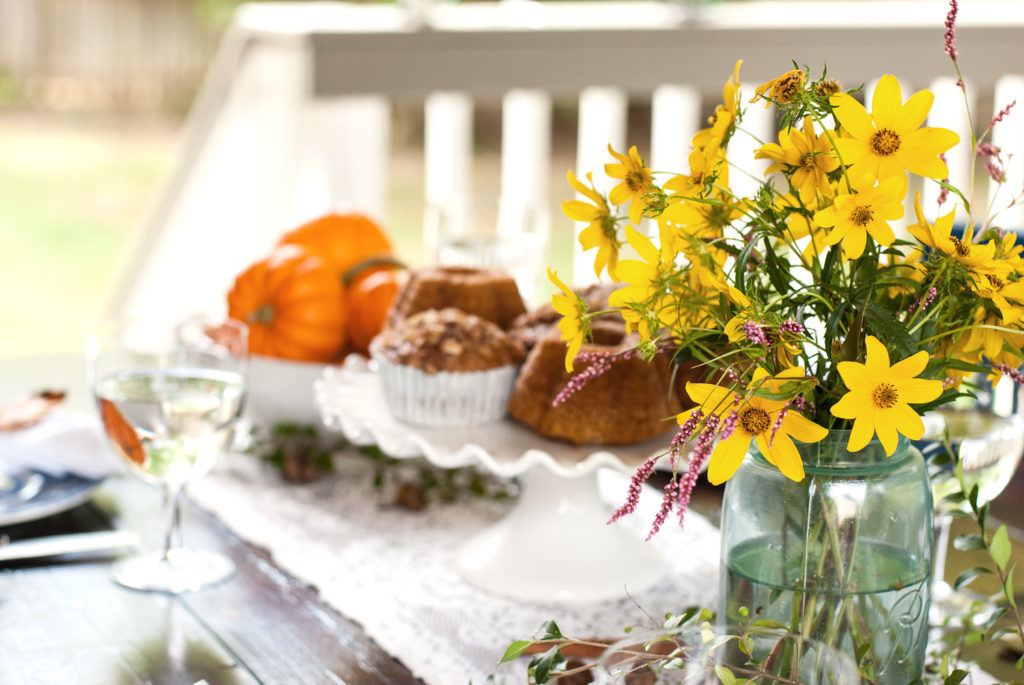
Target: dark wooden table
(67, 622)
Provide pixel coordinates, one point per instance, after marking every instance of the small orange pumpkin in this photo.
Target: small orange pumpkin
(294, 305)
(369, 298)
(341, 240)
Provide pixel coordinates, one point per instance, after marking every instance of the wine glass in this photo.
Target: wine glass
(989, 449)
(169, 395)
(700, 654)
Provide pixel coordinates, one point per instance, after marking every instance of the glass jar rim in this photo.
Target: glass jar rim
(830, 456)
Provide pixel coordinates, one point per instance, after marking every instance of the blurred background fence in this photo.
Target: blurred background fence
(120, 55)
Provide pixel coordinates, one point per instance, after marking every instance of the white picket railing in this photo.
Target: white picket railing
(295, 114)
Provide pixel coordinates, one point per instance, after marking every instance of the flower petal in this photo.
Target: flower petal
(915, 111)
(887, 102)
(787, 458)
(885, 428)
(908, 420)
(909, 367)
(919, 390)
(852, 116)
(801, 428)
(863, 431)
(727, 457)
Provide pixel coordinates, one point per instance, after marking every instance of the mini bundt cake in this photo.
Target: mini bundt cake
(446, 368)
(630, 402)
(491, 294)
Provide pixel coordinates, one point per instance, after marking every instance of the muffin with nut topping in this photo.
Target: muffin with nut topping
(445, 368)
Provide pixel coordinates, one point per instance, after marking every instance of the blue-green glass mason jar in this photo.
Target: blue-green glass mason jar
(843, 556)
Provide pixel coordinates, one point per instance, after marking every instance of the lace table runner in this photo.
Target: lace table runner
(390, 569)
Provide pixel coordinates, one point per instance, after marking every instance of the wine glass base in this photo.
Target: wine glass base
(181, 570)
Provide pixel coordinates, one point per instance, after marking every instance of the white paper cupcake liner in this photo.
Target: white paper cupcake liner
(446, 399)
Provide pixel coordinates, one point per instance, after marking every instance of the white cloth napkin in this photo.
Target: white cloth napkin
(63, 442)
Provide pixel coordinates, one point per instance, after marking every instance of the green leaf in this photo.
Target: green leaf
(768, 623)
(725, 675)
(1002, 632)
(1008, 588)
(969, 575)
(549, 631)
(547, 663)
(969, 543)
(1000, 548)
(515, 650)
(881, 319)
(956, 677)
(862, 651)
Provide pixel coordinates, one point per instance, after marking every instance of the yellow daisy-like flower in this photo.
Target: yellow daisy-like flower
(756, 418)
(880, 396)
(1008, 297)
(889, 141)
(854, 216)
(782, 89)
(645, 278)
(572, 326)
(600, 231)
(705, 164)
(724, 116)
(636, 182)
(938, 236)
(990, 337)
(799, 225)
(809, 156)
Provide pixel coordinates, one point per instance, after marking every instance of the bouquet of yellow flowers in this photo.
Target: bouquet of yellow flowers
(808, 305)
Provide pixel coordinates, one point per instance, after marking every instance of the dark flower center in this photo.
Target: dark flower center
(754, 420)
(807, 161)
(862, 215)
(885, 142)
(995, 281)
(962, 248)
(885, 396)
(635, 181)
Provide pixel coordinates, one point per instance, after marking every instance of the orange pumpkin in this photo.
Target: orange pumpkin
(294, 305)
(369, 298)
(341, 240)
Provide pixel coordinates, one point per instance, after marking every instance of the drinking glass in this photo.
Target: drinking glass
(989, 448)
(169, 395)
(700, 654)
(484, 231)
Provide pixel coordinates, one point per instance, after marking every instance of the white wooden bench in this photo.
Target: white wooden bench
(294, 116)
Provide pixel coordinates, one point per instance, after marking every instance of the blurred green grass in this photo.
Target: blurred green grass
(71, 191)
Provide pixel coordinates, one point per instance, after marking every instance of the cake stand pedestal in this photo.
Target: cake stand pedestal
(555, 545)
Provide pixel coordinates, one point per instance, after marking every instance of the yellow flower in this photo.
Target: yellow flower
(725, 115)
(990, 337)
(809, 156)
(1007, 296)
(979, 258)
(855, 215)
(756, 418)
(573, 326)
(888, 141)
(600, 230)
(880, 396)
(635, 184)
(705, 165)
(782, 89)
(644, 287)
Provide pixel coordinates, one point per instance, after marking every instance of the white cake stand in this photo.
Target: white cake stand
(555, 544)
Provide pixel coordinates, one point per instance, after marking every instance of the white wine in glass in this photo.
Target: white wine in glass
(169, 396)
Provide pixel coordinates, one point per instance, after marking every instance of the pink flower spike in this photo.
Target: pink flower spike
(1002, 113)
(1008, 370)
(951, 30)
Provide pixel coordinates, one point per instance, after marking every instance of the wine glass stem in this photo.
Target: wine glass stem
(172, 520)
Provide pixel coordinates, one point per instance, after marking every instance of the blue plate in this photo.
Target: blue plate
(29, 495)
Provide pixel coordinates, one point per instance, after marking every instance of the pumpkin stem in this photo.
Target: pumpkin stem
(359, 267)
(264, 314)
